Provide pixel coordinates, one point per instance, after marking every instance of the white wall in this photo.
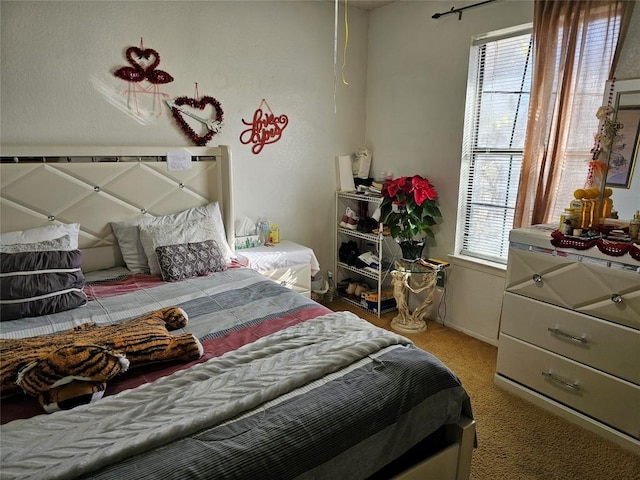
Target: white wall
(416, 85)
(57, 60)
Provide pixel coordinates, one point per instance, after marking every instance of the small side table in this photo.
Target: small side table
(287, 263)
(407, 321)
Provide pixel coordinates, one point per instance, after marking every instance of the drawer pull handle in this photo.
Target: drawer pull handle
(537, 277)
(574, 387)
(556, 331)
(616, 298)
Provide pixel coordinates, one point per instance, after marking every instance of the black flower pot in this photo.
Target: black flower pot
(411, 250)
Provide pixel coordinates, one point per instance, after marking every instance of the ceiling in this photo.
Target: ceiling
(368, 4)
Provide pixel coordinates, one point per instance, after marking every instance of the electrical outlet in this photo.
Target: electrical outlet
(440, 278)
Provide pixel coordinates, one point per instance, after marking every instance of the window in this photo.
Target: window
(495, 126)
(497, 104)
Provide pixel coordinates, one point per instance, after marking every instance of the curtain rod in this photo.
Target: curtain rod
(459, 10)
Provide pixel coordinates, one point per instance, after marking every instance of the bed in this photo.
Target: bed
(284, 388)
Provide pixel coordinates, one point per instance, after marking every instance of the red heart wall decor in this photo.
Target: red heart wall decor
(144, 67)
(149, 54)
(200, 104)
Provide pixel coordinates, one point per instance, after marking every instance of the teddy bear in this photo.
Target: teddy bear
(74, 367)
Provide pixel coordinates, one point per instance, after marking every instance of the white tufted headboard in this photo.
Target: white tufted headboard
(92, 186)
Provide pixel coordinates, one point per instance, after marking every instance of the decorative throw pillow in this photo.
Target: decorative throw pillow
(62, 243)
(128, 235)
(40, 234)
(154, 236)
(178, 262)
(40, 283)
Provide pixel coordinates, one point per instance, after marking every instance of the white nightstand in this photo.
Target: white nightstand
(287, 263)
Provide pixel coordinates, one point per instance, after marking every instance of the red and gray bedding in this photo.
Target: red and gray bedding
(259, 310)
(285, 388)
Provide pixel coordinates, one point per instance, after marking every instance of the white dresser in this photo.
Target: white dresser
(570, 334)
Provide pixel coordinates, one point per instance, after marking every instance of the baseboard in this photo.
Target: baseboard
(470, 333)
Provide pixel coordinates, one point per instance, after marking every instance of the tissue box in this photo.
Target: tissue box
(247, 241)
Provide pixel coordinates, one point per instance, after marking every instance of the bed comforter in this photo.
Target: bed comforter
(286, 389)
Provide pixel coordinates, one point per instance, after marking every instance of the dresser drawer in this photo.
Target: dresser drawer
(295, 277)
(601, 344)
(609, 293)
(610, 400)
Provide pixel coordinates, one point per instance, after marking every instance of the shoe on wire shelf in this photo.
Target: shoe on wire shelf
(350, 220)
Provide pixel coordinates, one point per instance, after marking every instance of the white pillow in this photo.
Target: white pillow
(40, 234)
(154, 236)
(57, 244)
(128, 235)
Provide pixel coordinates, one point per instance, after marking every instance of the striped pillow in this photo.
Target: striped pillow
(40, 283)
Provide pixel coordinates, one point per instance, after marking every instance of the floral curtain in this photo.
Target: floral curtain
(568, 75)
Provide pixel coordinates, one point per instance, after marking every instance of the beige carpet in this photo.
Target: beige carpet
(516, 440)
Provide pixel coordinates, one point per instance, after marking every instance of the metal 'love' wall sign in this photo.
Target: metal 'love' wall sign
(264, 128)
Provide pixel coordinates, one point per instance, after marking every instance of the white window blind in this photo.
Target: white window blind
(495, 126)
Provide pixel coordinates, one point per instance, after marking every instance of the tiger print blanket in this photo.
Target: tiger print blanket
(188, 400)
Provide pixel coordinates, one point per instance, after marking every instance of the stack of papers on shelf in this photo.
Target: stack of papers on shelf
(376, 187)
(374, 269)
(367, 190)
(370, 260)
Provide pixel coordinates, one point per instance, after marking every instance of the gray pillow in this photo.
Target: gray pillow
(188, 260)
(40, 283)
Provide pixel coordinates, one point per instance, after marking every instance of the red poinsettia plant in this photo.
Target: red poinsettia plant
(409, 208)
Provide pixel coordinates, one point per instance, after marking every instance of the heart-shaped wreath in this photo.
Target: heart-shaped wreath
(149, 54)
(200, 140)
(144, 67)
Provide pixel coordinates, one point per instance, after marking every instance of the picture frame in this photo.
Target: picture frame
(622, 161)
